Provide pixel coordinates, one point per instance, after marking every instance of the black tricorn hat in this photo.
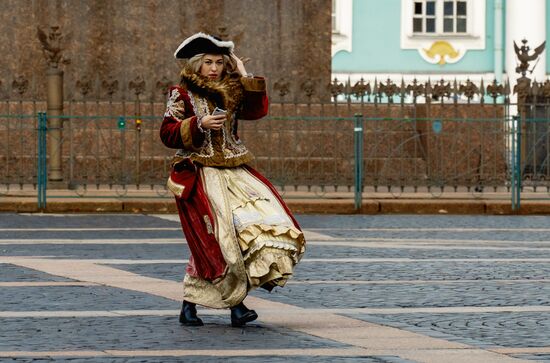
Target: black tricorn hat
(203, 43)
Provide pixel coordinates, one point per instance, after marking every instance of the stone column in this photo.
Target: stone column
(55, 124)
(51, 45)
(525, 20)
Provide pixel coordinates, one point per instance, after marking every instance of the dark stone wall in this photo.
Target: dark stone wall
(124, 39)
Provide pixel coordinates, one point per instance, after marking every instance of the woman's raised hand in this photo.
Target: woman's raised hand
(240, 64)
(213, 122)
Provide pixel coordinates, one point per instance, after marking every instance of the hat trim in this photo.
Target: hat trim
(220, 43)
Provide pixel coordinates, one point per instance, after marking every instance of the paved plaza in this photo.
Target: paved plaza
(385, 288)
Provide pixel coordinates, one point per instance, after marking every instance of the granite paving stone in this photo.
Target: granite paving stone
(420, 270)
(97, 235)
(180, 250)
(100, 251)
(12, 273)
(343, 251)
(431, 235)
(146, 332)
(448, 284)
(543, 358)
(379, 271)
(341, 296)
(210, 359)
(509, 329)
(342, 222)
(79, 298)
(166, 271)
(97, 220)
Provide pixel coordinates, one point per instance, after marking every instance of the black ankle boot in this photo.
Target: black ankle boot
(188, 315)
(240, 315)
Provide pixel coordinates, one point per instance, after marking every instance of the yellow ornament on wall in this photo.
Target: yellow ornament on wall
(442, 52)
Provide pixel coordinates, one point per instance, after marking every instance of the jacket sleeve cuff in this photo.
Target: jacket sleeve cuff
(253, 84)
(191, 136)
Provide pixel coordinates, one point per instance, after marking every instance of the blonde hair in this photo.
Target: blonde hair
(195, 62)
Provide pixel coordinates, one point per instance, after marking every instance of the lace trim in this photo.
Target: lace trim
(273, 266)
(286, 246)
(200, 108)
(231, 149)
(175, 108)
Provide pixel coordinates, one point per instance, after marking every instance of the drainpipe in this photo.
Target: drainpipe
(498, 36)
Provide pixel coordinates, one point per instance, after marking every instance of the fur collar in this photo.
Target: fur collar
(226, 93)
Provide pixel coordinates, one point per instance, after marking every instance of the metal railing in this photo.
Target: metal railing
(114, 154)
(356, 156)
(376, 139)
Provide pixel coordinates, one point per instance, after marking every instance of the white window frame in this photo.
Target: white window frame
(455, 17)
(474, 38)
(334, 18)
(440, 17)
(424, 17)
(341, 34)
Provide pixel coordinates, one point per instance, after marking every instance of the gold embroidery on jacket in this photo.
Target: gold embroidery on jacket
(209, 228)
(220, 148)
(174, 187)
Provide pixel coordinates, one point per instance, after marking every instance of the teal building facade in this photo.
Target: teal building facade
(435, 39)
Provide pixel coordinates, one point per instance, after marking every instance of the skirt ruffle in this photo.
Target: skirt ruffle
(270, 243)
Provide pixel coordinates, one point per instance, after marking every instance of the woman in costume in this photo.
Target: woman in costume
(240, 232)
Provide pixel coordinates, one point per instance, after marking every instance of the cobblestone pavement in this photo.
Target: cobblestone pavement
(106, 288)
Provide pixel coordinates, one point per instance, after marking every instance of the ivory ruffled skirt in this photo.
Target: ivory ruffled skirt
(258, 239)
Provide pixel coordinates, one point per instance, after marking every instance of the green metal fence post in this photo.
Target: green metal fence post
(516, 163)
(38, 163)
(42, 172)
(358, 155)
(512, 159)
(44, 158)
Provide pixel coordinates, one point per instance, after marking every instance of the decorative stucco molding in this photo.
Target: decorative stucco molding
(441, 52)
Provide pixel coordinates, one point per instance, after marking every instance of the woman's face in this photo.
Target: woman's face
(212, 66)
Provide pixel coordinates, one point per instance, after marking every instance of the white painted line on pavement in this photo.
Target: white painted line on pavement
(134, 229)
(44, 283)
(299, 282)
(402, 245)
(434, 229)
(431, 240)
(265, 352)
(86, 313)
(321, 311)
(441, 310)
(91, 241)
(340, 242)
(313, 232)
(167, 217)
(529, 350)
(406, 260)
(309, 235)
(409, 282)
(117, 261)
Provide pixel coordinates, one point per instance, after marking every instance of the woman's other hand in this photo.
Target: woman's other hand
(240, 64)
(213, 122)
